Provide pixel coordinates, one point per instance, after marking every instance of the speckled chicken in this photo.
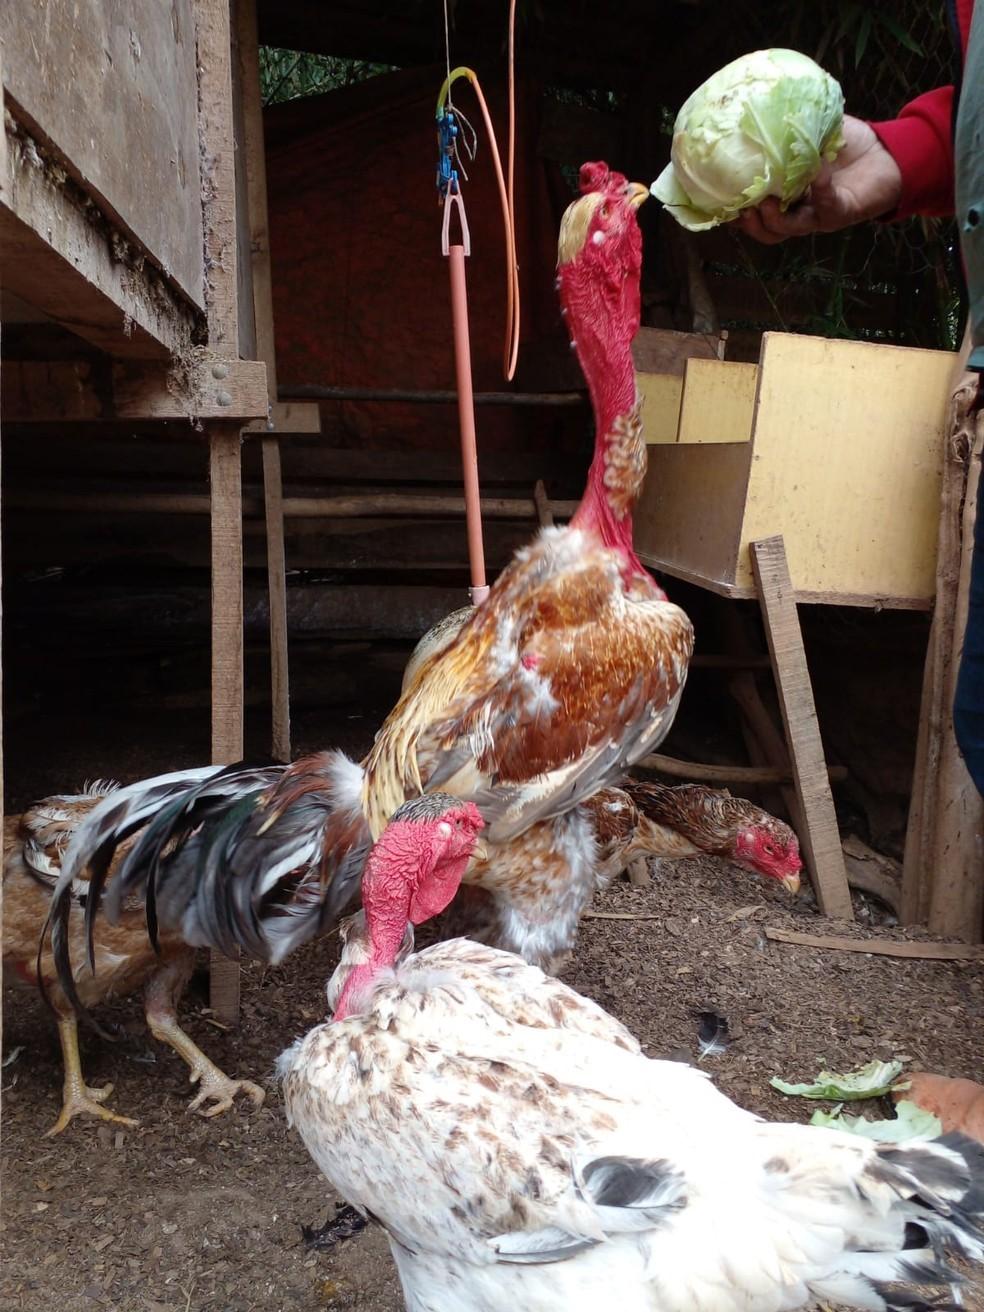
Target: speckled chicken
(522, 1153)
(123, 958)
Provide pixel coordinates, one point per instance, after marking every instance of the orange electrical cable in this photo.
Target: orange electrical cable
(506, 194)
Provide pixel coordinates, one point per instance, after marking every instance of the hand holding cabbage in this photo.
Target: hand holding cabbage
(760, 127)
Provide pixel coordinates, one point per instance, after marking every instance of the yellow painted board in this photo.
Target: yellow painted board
(846, 465)
(718, 401)
(660, 394)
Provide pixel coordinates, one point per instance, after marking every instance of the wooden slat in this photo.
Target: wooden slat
(956, 903)
(917, 868)
(368, 506)
(217, 147)
(273, 503)
(820, 835)
(661, 395)
(218, 162)
(57, 259)
(262, 284)
(665, 351)
(225, 471)
(879, 947)
(83, 391)
(748, 775)
(718, 402)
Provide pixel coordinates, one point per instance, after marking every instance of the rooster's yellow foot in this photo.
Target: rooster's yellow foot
(81, 1100)
(214, 1084)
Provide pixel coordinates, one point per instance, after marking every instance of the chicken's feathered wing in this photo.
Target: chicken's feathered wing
(560, 680)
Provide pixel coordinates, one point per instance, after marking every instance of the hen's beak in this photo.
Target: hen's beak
(636, 193)
(791, 883)
(480, 851)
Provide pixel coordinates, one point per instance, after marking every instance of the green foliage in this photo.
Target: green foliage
(290, 74)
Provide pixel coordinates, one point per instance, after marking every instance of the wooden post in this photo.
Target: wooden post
(217, 141)
(942, 882)
(225, 472)
(256, 189)
(820, 836)
(956, 902)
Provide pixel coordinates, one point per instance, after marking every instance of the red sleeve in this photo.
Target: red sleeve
(920, 141)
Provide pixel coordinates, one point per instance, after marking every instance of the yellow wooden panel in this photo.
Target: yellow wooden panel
(718, 401)
(846, 465)
(660, 395)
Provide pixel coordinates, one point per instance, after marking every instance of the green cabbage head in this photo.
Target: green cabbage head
(761, 126)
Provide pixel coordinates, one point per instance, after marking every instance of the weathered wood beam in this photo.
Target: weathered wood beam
(200, 386)
(747, 775)
(225, 476)
(819, 834)
(879, 947)
(377, 505)
(62, 255)
(217, 148)
(424, 396)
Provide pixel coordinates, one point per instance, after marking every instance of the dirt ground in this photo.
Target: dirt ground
(183, 1214)
(187, 1215)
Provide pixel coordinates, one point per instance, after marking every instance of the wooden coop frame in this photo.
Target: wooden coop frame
(178, 299)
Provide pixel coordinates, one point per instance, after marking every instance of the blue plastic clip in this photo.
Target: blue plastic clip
(447, 135)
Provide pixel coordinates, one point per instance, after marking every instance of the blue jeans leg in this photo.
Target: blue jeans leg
(968, 705)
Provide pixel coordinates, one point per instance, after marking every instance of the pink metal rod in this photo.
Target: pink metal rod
(466, 420)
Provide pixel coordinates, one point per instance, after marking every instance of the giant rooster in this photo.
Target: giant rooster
(521, 1152)
(572, 669)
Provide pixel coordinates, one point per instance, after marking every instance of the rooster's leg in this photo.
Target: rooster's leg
(160, 1006)
(77, 1097)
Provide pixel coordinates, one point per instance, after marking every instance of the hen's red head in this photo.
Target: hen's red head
(600, 246)
(411, 875)
(771, 849)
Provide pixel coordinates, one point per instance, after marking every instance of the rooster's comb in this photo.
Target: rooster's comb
(597, 176)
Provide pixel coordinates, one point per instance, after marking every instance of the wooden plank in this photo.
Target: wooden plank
(820, 836)
(748, 775)
(544, 513)
(217, 143)
(273, 503)
(225, 475)
(199, 386)
(718, 402)
(847, 453)
(62, 256)
(80, 73)
(665, 351)
(934, 709)
(661, 395)
(879, 947)
(254, 158)
(956, 903)
(672, 527)
(377, 505)
(288, 418)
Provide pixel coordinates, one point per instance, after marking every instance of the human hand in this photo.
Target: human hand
(863, 182)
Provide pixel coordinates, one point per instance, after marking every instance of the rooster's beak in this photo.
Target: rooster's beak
(636, 193)
(791, 883)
